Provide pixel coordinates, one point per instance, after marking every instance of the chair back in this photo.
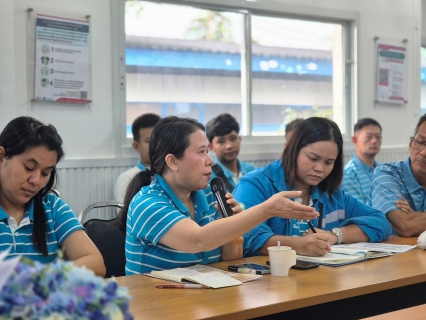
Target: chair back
(110, 241)
(83, 216)
(107, 237)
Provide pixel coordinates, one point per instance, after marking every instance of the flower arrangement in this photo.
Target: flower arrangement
(60, 290)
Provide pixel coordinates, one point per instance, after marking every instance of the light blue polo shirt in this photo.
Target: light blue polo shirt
(243, 168)
(357, 179)
(393, 179)
(152, 212)
(339, 209)
(60, 223)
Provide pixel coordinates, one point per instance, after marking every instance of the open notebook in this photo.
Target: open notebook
(341, 256)
(202, 274)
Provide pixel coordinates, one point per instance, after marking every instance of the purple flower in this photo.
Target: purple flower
(82, 291)
(35, 290)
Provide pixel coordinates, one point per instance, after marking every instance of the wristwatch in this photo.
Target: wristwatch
(338, 233)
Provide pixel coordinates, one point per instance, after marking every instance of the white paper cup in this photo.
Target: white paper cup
(281, 260)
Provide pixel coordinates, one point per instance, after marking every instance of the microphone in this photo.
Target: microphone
(219, 190)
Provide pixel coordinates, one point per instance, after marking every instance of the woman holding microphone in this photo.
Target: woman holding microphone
(171, 221)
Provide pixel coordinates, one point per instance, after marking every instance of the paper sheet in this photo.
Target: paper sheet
(6, 267)
(379, 247)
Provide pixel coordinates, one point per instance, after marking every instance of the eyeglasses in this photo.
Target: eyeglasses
(415, 144)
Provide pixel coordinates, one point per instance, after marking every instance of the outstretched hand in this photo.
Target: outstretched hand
(280, 205)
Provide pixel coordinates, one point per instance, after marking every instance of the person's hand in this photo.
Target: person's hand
(279, 205)
(235, 205)
(403, 204)
(332, 239)
(313, 244)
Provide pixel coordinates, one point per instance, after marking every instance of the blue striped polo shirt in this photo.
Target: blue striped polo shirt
(357, 179)
(152, 212)
(393, 179)
(60, 223)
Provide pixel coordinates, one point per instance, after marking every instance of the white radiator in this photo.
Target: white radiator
(83, 182)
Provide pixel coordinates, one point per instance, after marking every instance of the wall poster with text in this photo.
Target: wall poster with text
(61, 59)
(391, 73)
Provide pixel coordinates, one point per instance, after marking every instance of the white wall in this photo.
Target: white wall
(423, 24)
(88, 131)
(7, 70)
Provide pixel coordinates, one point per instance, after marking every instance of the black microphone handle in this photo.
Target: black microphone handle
(221, 200)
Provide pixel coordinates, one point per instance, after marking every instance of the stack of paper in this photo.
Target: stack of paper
(343, 254)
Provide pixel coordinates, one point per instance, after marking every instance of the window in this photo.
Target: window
(186, 63)
(292, 71)
(266, 70)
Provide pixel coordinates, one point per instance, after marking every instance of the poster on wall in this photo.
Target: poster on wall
(61, 59)
(391, 73)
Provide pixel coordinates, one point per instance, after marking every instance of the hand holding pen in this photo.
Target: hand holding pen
(317, 242)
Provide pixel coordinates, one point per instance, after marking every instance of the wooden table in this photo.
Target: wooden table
(299, 291)
(413, 313)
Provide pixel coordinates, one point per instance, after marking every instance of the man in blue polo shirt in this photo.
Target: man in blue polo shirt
(398, 188)
(225, 141)
(141, 129)
(358, 171)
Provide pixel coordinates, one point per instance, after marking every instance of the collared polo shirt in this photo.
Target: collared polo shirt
(243, 168)
(393, 179)
(357, 178)
(152, 212)
(60, 223)
(339, 209)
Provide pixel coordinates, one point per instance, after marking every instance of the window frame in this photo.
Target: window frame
(253, 147)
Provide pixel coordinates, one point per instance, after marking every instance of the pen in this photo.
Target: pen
(244, 270)
(311, 226)
(320, 209)
(180, 286)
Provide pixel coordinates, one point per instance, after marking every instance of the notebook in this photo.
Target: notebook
(341, 256)
(202, 274)
(377, 247)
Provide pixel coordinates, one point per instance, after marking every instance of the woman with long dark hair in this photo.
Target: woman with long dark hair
(170, 218)
(311, 163)
(33, 222)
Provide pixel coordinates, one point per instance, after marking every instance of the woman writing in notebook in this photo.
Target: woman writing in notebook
(34, 222)
(311, 163)
(168, 218)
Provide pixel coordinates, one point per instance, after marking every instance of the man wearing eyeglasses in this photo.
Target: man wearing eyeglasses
(359, 170)
(398, 188)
